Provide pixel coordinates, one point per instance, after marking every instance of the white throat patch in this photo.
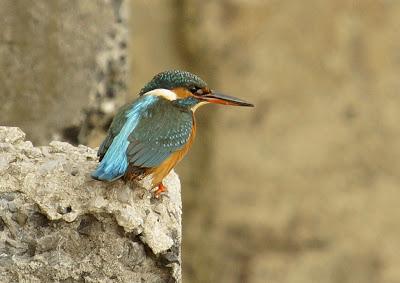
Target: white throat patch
(166, 93)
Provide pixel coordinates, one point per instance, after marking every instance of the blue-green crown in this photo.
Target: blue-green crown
(173, 79)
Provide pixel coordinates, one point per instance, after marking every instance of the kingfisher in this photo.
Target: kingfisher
(149, 136)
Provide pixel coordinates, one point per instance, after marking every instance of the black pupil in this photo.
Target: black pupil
(194, 89)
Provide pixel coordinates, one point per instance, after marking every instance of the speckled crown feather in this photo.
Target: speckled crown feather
(172, 79)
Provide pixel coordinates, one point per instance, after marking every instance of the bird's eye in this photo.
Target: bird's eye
(193, 89)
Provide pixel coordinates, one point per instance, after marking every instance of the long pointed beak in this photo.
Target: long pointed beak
(219, 98)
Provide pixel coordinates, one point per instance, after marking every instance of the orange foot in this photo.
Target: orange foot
(160, 190)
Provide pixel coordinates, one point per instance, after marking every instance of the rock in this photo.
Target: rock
(59, 225)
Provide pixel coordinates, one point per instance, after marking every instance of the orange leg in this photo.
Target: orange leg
(160, 190)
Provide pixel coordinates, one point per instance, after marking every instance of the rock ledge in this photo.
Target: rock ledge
(59, 225)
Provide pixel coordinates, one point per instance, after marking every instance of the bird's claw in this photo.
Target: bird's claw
(160, 189)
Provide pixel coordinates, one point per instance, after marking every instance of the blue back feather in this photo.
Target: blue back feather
(114, 163)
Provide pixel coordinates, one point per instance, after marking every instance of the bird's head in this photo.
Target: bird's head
(187, 90)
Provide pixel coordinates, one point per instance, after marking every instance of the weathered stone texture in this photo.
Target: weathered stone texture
(59, 225)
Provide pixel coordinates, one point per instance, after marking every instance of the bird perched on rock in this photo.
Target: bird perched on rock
(149, 136)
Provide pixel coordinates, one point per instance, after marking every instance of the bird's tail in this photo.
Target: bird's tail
(108, 171)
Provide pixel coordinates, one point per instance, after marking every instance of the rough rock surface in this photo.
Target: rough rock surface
(58, 225)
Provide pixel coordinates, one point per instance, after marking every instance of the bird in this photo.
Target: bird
(150, 135)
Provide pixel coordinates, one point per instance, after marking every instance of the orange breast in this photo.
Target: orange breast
(164, 168)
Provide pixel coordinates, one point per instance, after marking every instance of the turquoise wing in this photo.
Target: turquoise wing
(143, 135)
(163, 130)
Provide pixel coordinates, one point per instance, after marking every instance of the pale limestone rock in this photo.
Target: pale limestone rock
(59, 225)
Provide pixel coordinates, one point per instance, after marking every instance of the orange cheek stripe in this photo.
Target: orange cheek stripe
(182, 92)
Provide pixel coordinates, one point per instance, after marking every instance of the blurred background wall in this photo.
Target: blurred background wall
(302, 188)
